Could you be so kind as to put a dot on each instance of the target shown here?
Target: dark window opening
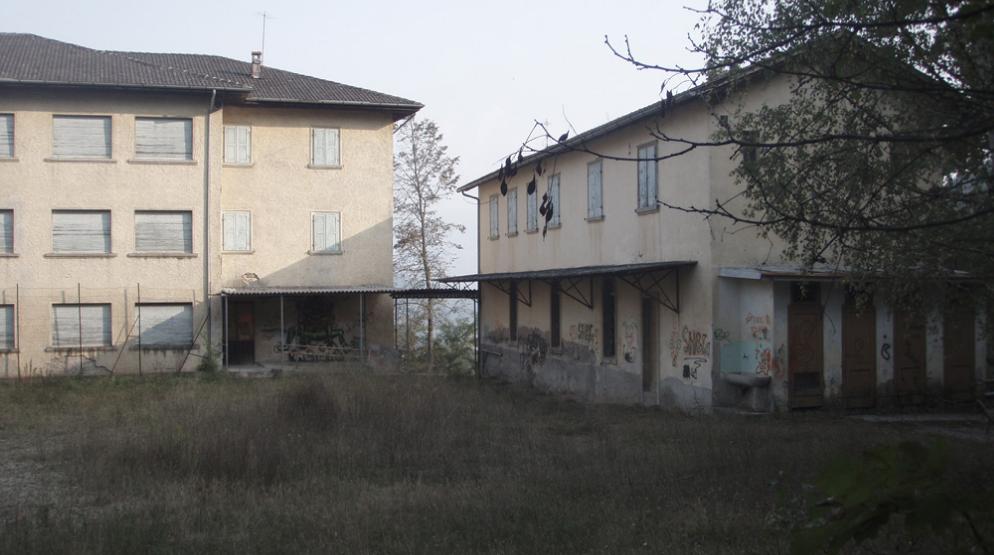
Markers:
(608, 302)
(554, 316)
(513, 310)
(805, 292)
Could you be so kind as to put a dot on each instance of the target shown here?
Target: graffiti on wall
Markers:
(582, 333)
(532, 350)
(695, 343)
(316, 336)
(629, 339)
(694, 366)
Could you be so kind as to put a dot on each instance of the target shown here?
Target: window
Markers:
(512, 311)
(237, 144)
(7, 327)
(554, 200)
(6, 232)
(165, 325)
(81, 324)
(164, 138)
(750, 152)
(237, 230)
(81, 137)
(81, 231)
(512, 212)
(595, 192)
(326, 148)
(326, 231)
(555, 315)
(608, 302)
(494, 217)
(6, 135)
(164, 231)
(648, 194)
(532, 211)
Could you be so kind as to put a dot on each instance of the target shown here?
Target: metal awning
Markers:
(264, 291)
(435, 293)
(818, 272)
(581, 271)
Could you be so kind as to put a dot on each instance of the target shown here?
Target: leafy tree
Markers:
(424, 174)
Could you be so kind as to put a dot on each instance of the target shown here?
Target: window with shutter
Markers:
(595, 191)
(166, 325)
(81, 137)
(7, 327)
(326, 148)
(81, 231)
(327, 232)
(6, 135)
(553, 192)
(237, 144)
(494, 217)
(164, 231)
(532, 211)
(87, 324)
(164, 138)
(6, 231)
(647, 187)
(512, 212)
(237, 230)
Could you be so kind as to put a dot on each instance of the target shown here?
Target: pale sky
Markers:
(485, 72)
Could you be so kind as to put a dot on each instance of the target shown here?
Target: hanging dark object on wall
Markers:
(563, 137)
(531, 186)
(538, 168)
(503, 188)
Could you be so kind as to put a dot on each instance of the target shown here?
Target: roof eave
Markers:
(122, 86)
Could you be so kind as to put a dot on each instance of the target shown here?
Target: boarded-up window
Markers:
(237, 230)
(512, 212)
(237, 144)
(164, 231)
(81, 231)
(164, 138)
(6, 231)
(647, 166)
(7, 327)
(532, 210)
(81, 137)
(325, 147)
(554, 200)
(326, 232)
(595, 190)
(87, 325)
(166, 325)
(6, 135)
(494, 217)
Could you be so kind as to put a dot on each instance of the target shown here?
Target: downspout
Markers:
(479, 293)
(207, 218)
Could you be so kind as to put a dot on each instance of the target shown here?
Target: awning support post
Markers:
(362, 327)
(282, 333)
(224, 300)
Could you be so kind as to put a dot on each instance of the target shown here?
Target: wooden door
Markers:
(649, 358)
(859, 355)
(806, 358)
(909, 356)
(241, 326)
(958, 343)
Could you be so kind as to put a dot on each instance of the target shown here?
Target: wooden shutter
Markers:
(554, 198)
(81, 137)
(595, 195)
(327, 232)
(647, 176)
(95, 320)
(512, 211)
(84, 231)
(6, 135)
(237, 144)
(164, 231)
(532, 211)
(6, 327)
(325, 147)
(237, 231)
(6, 231)
(164, 138)
(494, 221)
(166, 324)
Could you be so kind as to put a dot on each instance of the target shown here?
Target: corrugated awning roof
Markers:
(262, 291)
(582, 271)
(436, 293)
(815, 273)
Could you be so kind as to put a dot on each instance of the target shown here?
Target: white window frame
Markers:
(146, 157)
(164, 251)
(8, 317)
(73, 342)
(314, 163)
(108, 148)
(142, 330)
(110, 233)
(235, 129)
(251, 225)
(651, 198)
(512, 212)
(557, 213)
(12, 153)
(314, 249)
(4, 237)
(494, 217)
(595, 213)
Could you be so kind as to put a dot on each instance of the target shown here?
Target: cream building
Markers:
(618, 299)
(155, 205)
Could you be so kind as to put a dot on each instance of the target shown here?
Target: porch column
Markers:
(282, 333)
(362, 327)
(224, 302)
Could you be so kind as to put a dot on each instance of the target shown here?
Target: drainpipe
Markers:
(207, 217)
(478, 315)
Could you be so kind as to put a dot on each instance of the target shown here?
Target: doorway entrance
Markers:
(909, 356)
(241, 326)
(859, 353)
(958, 343)
(805, 358)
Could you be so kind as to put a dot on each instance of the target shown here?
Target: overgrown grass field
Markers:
(352, 463)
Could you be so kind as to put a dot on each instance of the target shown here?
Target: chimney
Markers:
(256, 64)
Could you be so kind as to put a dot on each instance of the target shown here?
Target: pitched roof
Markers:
(31, 59)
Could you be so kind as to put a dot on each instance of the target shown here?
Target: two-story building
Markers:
(612, 297)
(156, 206)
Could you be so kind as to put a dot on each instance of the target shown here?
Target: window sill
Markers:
(531, 231)
(554, 226)
(9, 255)
(76, 349)
(239, 252)
(643, 211)
(12, 159)
(79, 255)
(492, 238)
(82, 160)
(162, 255)
(315, 167)
(609, 361)
(154, 162)
(595, 218)
(234, 165)
(324, 253)
(170, 347)
(8, 351)
(513, 234)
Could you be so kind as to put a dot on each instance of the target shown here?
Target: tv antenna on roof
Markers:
(265, 16)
